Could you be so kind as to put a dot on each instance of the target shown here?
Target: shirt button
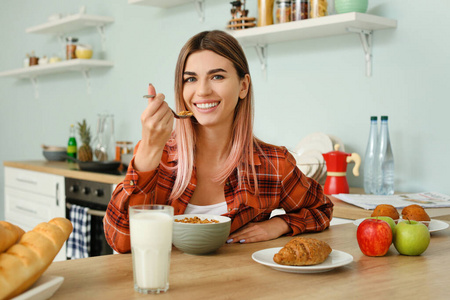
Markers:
(229, 209)
(131, 182)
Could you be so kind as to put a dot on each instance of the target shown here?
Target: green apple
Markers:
(411, 238)
(389, 220)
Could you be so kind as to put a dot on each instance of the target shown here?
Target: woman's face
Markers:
(212, 88)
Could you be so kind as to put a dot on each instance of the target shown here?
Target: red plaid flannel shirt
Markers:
(281, 185)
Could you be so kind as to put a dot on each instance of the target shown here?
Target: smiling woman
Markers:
(213, 161)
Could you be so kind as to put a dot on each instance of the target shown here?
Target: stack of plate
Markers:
(308, 154)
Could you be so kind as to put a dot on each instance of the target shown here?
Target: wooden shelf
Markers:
(348, 23)
(70, 24)
(79, 65)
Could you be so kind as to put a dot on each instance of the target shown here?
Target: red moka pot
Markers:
(337, 161)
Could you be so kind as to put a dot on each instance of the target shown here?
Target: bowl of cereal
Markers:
(200, 233)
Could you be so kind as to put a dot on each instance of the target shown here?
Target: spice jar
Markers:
(318, 8)
(283, 14)
(299, 10)
(71, 47)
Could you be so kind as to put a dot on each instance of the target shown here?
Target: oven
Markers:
(95, 196)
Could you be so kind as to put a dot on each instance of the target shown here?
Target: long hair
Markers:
(242, 141)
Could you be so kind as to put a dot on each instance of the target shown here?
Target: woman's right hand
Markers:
(157, 125)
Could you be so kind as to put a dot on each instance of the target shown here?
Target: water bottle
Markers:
(369, 158)
(72, 143)
(385, 161)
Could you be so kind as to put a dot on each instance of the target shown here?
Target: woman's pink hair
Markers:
(242, 139)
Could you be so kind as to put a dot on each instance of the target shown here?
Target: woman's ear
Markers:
(245, 85)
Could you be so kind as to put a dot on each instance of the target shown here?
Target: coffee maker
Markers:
(337, 161)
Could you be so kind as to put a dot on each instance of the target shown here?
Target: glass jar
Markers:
(71, 47)
(283, 13)
(318, 8)
(299, 10)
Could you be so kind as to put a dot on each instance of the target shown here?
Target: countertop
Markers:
(230, 273)
(66, 169)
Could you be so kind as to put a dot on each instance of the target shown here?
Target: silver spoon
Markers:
(181, 115)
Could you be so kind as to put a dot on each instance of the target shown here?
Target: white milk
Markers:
(151, 245)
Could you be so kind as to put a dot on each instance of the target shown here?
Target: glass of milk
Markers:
(151, 245)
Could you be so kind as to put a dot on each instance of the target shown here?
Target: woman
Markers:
(212, 163)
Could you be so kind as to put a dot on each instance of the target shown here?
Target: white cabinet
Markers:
(32, 198)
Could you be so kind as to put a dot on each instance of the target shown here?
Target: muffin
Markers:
(415, 212)
(386, 210)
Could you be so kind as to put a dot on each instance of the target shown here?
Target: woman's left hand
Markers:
(260, 231)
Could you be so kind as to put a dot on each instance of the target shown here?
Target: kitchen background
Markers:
(316, 85)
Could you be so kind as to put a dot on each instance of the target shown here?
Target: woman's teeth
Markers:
(207, 105)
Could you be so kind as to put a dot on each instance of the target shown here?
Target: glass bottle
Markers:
(385, 161)
(104, 144)
(369, 158)
(72, 144)
(71, 47)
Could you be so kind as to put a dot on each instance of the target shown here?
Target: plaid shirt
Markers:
(281, 185)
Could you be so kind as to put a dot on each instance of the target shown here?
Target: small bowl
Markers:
(200, 238)
(55, 153)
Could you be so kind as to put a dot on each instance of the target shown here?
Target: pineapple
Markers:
(85, 150)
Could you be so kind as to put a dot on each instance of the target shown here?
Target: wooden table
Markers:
(345, 210)
(230, 273)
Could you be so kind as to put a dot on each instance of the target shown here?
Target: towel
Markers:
(78, 244)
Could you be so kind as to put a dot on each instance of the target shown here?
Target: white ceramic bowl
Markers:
(200, 238)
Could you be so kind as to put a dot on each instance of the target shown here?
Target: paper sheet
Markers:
(426, 200)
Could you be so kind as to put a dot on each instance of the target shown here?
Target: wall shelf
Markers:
(72, 23)
(199, 5)
(75, 65)
(348, 23)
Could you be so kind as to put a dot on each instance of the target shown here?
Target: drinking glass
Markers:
(151, 246)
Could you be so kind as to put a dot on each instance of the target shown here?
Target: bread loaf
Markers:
(303, 252)
(23, 263)
(9, 235)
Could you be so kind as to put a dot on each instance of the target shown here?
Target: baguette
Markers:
(9, 235)
(23, 263)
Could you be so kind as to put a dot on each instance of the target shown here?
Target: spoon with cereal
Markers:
(184, 114)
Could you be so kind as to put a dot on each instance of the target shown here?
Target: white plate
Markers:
(42, 289)
(435, 225)
(334, 260)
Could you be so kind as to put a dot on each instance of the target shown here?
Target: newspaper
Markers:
(426, 200)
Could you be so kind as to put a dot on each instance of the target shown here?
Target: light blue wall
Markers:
(312, 85)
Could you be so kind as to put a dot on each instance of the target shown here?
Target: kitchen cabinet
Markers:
(348, 23)
(61, 27)
(32, 198)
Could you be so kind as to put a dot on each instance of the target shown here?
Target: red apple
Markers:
(374, 237)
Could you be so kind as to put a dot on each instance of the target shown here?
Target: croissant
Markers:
(302, 252)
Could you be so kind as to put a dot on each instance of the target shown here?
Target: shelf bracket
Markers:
(35, 86)
(200, 6)
(261, 51)
(366, 41)
(88, 80)
(101, 31)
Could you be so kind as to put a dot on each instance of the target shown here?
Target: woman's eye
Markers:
(218, 77)
(189, 79)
